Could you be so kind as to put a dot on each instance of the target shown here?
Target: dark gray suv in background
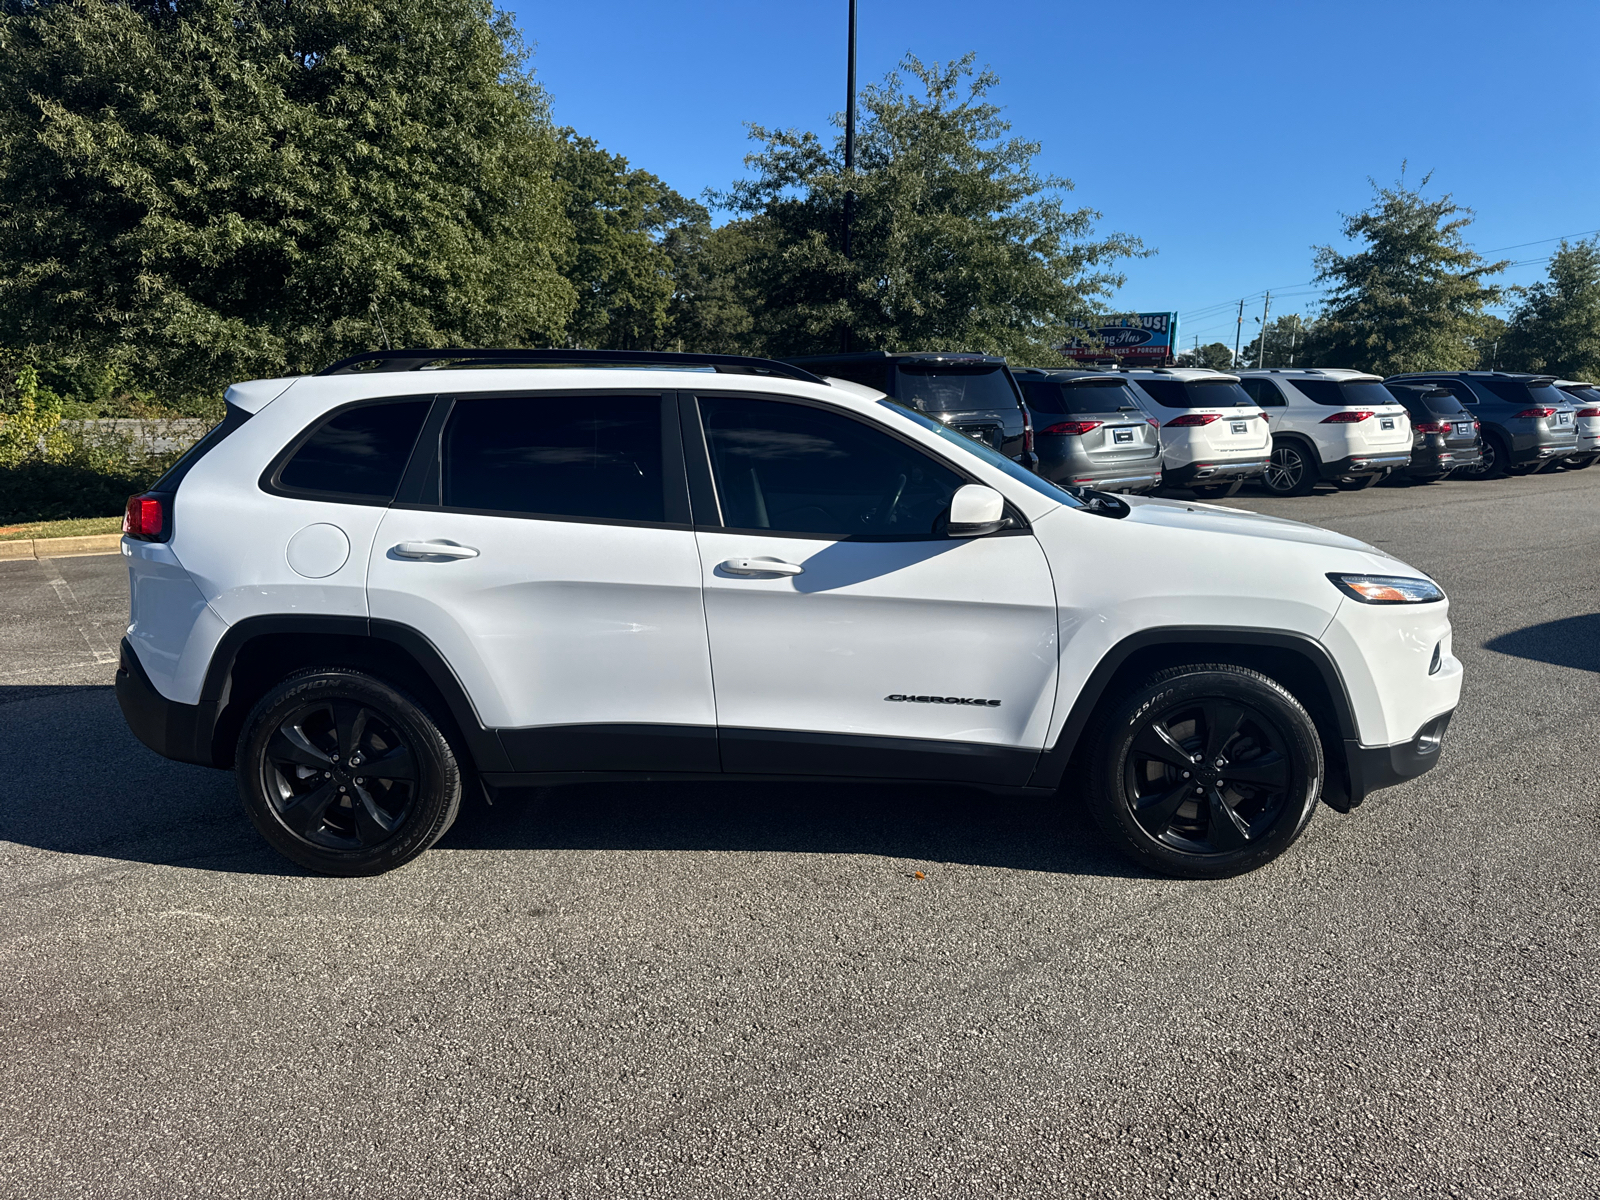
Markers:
(1528, 423)
(971, 393)
(1089, 431)
(1444, 435)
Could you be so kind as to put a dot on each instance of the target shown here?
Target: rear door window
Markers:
(791, 468)
(955, 387)
(358, 454)
(1264, 392)
(578, 457)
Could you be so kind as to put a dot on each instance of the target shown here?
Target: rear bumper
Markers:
(177, 731)
(1429, 460)
(1365, 464)
(1216, 471)
(1369, 768)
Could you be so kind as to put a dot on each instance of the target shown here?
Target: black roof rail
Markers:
(418, 360)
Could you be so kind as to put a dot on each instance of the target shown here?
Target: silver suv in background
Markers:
(1213, 436)
(1333, 425)
(1586, 420)
(1089, 431)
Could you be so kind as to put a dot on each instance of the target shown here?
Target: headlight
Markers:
(1387, 589)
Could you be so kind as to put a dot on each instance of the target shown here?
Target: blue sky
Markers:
(1229, 136)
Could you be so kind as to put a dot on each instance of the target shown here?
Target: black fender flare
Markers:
(1053, 762)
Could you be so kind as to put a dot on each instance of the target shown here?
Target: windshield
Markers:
(989, 455)
(1073, 398)
(1344, 395)
(1197, 393)
(955, 387)
(1515, 392)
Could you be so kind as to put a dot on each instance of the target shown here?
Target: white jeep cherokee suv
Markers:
(1336, 425)
(421, 571)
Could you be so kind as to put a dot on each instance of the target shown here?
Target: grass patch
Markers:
(77, 527)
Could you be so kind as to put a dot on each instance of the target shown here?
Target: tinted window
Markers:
(562, 456)
(1178, 393)
(869, 374)
(1264, 392)
(1050, 396)
(1445, 404)
(796, 469)
(1344, 395)
(1513, 392)
(359, 452)
(944, 387)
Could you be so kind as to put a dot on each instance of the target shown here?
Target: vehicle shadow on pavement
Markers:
(915, 823)
(1569, 642)
(80, 783)
(77, 782)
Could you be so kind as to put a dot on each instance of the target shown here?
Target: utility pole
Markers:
(1238, 332)
(1261, 350)
(1293, 329)
(849, 150)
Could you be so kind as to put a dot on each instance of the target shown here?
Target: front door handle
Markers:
(761, 566)
(434, 550)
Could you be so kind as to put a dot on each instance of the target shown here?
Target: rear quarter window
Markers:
(357, 454)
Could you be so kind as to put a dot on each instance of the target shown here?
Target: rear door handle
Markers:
(434, 550)
(761, 566)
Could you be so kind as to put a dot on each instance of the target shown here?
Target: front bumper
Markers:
(177, 731)
(1369, 768)
(1207, 471)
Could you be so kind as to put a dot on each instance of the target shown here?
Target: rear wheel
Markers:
(1290, 470)
(1578, 462)
(1356, 483)
(1218, 491)
(1205, 771)
(1493, 463)
(345, 775)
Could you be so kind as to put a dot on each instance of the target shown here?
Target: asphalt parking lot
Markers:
(731, 990)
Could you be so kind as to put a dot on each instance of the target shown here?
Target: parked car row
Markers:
(1137, 430)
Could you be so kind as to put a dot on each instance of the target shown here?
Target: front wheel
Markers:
(1205, 771)
(345, 775)
(1290, 470)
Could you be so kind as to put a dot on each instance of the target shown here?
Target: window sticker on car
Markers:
(1122, 435)
(1238, 426)
(1386, 423)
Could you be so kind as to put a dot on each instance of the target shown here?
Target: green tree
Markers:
(1412, 297)
(628, 231)
(1555, 330)
(956, 241)
(204, 190)
(1214, 356)
(1287, 338)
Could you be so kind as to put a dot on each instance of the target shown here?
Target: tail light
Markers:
(1189, 419)
(1589, 412)
(1431, 426)
(145, 518)
(1264, 416)
(1541, 411)
(1072, 427)
(1154, 424)
(1346, 418)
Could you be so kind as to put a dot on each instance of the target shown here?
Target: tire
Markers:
(1187, 719)
(1218, 491)
(355, 821)
(1357, 483)
(1291, 470)
(1495, 458)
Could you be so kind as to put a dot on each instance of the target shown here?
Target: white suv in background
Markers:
(426, 571)
(1336, 425)
(1213, 436)
(1586, 396)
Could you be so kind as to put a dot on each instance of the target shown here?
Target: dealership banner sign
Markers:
(1138, 337)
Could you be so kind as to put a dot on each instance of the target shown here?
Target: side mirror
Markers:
(976, 510)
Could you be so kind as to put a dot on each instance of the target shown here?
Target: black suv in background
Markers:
(1444, 435)
(973, 394)
(1528, 423)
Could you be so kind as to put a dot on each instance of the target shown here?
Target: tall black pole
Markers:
(849, 148)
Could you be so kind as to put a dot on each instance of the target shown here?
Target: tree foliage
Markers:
(1412, 296)
(206, 190)
(1555, 329)
(1213, 356)
(957, 243)
(1287, 338)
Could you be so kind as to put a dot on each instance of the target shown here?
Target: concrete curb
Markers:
(63, 547)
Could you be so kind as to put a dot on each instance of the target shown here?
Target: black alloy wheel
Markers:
(1206, 771)
(1290, 471)
(345, 775)
(1493, 463)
